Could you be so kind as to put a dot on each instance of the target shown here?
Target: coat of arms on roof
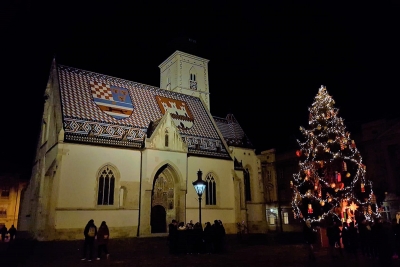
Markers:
(179, 111)
(114, 101)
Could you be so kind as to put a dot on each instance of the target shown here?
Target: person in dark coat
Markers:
(384, 240)
(3, 232)
(353, 240)
(309, 236)
(198, 238)
(364, 235)
(208, 238)
(103, 235)
(217, 237)
(182, 238)
(13, 232)
(173, 237)
(90, 233)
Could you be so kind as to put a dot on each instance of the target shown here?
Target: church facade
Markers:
(127, 153)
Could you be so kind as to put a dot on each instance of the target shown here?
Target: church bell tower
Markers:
(187, 74)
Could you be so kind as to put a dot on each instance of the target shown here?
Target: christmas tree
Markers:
(331, 178)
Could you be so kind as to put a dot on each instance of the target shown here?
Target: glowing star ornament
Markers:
(353, 206)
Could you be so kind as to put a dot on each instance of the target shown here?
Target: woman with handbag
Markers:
(103, 234)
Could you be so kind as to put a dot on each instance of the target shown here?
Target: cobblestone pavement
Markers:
(154, 251)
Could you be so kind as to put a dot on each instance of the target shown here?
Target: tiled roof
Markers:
(232, 132)
(106, 110)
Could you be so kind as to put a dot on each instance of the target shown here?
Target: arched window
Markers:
(106, 182)
(168, 82)
(166, 141)
(247, 191)
(192, 81)
(211, 190)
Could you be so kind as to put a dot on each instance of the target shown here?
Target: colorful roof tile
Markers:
(101, 109)
(232, 132)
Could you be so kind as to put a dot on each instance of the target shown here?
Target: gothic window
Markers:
(211, 190)
(269, 175)
(106, 182)
(5, 192)
(247, 192)
(166, 141)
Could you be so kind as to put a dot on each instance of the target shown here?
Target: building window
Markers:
(211, 190)
(168, 83)
(5, 192)
(271, 219)
(166, 141)
(106, 186)
(269, 176)
(192, 81)
(3, 212)
(285, 218)
(247, 185)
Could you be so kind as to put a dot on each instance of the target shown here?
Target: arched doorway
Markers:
(163, 205)
(158, 219)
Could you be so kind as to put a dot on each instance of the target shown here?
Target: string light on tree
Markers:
(331, 173)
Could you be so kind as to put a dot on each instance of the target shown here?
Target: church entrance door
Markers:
(158, 219)
(162, 200)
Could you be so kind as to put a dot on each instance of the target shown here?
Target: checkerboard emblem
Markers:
(179, 111)
(114, 101)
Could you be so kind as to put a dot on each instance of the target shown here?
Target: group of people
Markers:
(12, 233)
(378, 240)
(102, 235)
(193, 239)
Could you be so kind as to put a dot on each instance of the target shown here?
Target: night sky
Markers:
(267, 61)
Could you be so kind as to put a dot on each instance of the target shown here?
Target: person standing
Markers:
(173, 237)
(103, 234)
(3, 232)
(90, 233)
(13, 232)
(309, 237)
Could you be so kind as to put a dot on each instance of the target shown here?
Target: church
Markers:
(127, 153)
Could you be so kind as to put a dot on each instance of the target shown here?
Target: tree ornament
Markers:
(298, 153)
(338, 177)
(344, 166)
(373, 199)
(348, 175)
(310, 209)
(362, 188)
(353, 144)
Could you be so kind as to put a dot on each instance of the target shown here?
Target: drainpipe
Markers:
(140, 191)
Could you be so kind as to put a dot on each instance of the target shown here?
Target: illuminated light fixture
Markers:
(199, 185)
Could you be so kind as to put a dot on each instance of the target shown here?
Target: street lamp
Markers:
(199, 185)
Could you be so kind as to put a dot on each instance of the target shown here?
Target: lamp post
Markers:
(199, 185)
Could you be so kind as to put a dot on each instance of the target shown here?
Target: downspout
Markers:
(16, 203)
(140, 191)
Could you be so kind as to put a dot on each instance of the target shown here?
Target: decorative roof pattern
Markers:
(232, 132)
(86, 121)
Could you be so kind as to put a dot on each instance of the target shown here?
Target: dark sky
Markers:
(267, 60)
